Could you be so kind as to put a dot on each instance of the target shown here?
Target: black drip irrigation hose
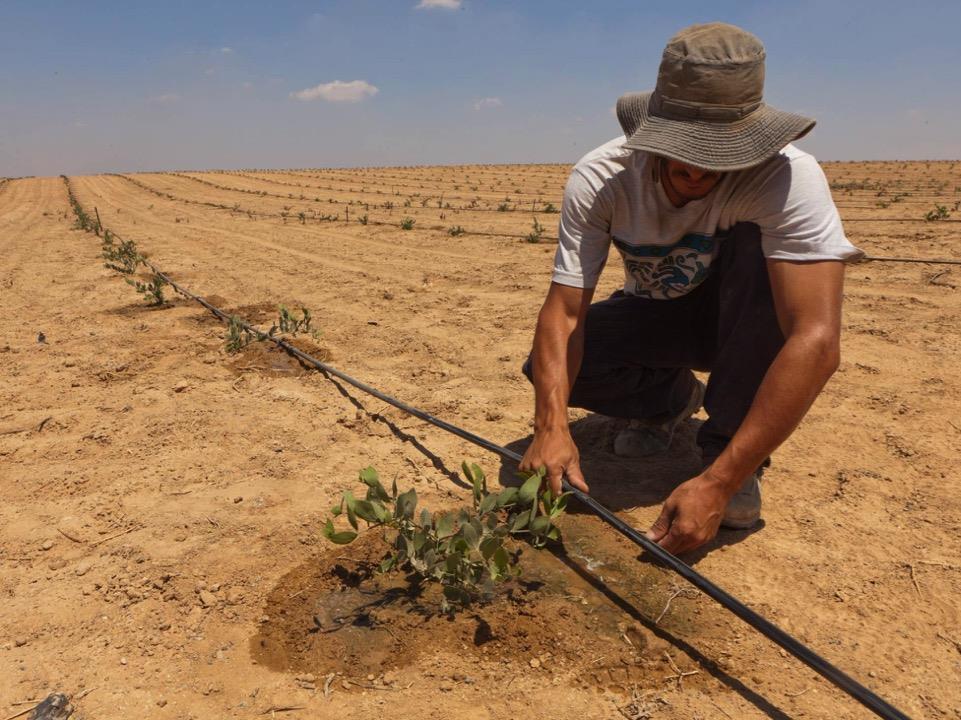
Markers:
(849, 685)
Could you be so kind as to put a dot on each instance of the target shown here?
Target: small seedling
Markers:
(407, 223)
(535, 235)
(238, 336)
(122, 258)
(152, 291)
(940, 212)
(455, 231)
(289, 324)
(549, 208)
(363, 219)
(467, 551)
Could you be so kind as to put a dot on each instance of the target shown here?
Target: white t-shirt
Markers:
(667, 251)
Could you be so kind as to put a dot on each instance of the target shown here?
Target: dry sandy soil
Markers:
(162, 500)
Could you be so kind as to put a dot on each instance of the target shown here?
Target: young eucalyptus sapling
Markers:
(466, 551)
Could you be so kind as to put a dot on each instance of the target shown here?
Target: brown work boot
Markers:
(643, 437)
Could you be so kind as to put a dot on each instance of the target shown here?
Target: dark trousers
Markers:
(639, 353)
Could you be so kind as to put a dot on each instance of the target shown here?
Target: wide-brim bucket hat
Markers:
(707, 108)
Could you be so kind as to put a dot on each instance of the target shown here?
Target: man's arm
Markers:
(807, 298)
(557, 354)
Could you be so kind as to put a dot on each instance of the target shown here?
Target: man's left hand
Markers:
(691, 514)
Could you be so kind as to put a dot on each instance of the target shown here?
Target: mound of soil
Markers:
(335, 614)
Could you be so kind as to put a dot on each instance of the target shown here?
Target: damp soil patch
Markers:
(267, 358)
(584, 608)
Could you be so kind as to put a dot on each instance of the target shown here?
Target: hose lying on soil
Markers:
(803, 653)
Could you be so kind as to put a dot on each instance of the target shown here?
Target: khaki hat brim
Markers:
(711, 145)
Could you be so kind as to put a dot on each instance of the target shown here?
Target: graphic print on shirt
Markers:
(662, 272)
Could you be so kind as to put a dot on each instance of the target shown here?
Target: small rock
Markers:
(370, 678)
(123, 661)
(161, 702)
(181, 385)
(238, 499)
(20, 641)
(57, 564)
(47, 544)
(535, 663)
(83, 567)
(234, 596)
(207, 598)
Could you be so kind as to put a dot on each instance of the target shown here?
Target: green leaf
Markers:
(420, 538)
(506, 496)
(479, 474)
(445, 525)
(387, 563)
(365, 510)
(540, 525)
(425, 518)
(554, 533)
(487, 504)
(470, 534)
(501, 561)
(528, 491)
(350, 501)
(383, 514)
(369, 477)
(519, 522)
(339, 538)
(489, 546)
(473, 479)
(406, 503)
(560, 505)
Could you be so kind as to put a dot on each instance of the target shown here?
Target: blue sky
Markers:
(92, 86)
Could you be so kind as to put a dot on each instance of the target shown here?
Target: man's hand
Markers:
(691, 514)
(555, 450)
(556, 358)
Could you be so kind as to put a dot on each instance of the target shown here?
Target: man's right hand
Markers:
(555, 450)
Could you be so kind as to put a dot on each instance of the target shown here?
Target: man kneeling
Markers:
(733, 258)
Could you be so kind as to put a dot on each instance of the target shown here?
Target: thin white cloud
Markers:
(226, 50)
(164, 99)
(446, 4)
(488, 102)
(337, 91)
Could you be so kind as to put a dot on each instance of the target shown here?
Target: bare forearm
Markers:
(558, 349)
(790, 386)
